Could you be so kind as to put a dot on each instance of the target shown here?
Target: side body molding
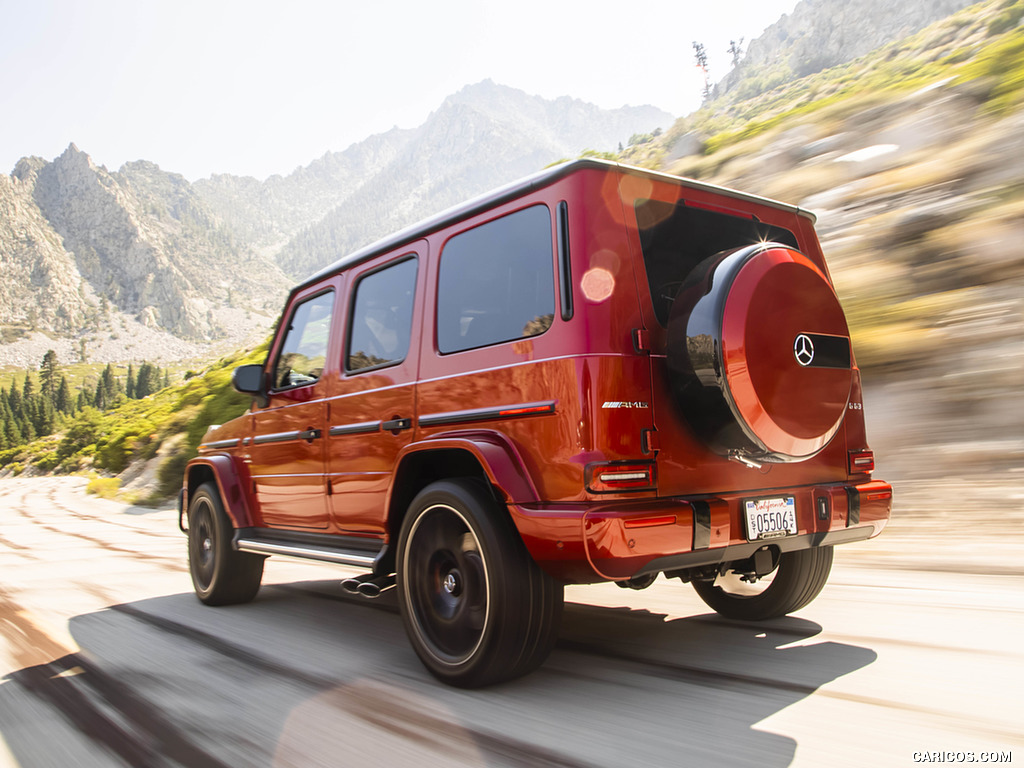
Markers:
(232, 480)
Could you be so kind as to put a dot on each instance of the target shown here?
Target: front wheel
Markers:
(220, 575)
(794, 583)
(476, 607)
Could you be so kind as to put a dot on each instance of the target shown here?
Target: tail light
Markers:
(862, 461)
(620, 476)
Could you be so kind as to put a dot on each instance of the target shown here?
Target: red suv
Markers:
(599, 373)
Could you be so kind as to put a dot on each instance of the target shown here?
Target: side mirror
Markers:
(250, 380)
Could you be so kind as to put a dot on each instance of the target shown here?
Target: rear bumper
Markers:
(615, 540)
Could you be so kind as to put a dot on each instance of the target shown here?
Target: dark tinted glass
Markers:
(496, 282)
(304, 352)
(676, 238)
(382, 319)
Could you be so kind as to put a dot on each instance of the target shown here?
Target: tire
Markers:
(220, 575)
(476, 607)
(796, 581)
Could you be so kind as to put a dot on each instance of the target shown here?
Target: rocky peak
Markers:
(824, 33)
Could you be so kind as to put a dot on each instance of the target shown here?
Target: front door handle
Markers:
(395, 425)
(309, 435)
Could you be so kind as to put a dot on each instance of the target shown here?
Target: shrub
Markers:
(104, 487)
(172, 471)
(47, 461)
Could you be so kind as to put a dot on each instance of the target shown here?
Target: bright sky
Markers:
(255, 87)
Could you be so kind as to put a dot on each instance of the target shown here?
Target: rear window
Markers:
(675, 238)
(496, 282)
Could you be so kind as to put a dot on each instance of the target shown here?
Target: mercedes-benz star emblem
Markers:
(803, 349)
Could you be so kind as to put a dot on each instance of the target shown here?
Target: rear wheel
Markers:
(794, 583)
(220, 575)
(476, 607)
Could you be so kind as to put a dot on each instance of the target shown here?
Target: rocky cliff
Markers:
(823, 33)
(482, 137)
(83, 250)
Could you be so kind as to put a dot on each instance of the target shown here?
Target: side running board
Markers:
(344, 550)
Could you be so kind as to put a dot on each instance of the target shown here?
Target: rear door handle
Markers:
(309, 435)
(394, 425)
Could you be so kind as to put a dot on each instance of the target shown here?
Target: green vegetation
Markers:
(104, 487)
(28, 410)
(171, 422)
(982, 44)
(1001, 66)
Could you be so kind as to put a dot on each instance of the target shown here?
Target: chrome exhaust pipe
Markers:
(374, 588)
(351, 585)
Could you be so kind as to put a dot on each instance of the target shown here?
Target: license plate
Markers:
(770, 518)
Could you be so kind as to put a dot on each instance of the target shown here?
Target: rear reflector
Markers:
(648, 522)
(862, 461)
(619, 476)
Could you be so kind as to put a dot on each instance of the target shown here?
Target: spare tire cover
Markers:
(759, 354)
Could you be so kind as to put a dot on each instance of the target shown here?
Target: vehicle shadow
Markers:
(308, 675)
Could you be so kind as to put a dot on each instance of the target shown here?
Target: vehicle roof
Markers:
(518, 189)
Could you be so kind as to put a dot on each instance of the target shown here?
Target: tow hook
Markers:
(746, 461)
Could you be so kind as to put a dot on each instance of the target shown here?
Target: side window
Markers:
(381, 322)
(496, 282)
(304, 351)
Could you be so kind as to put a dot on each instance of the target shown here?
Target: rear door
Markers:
(286, 451)
(373, 404)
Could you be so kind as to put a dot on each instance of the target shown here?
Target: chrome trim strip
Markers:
(362, 427)
(220, 444)
(488, 414)
(276, 437)
(304, 553)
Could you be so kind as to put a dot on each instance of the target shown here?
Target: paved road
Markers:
(107, 659)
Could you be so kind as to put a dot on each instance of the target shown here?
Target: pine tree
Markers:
(129, 385)
(13, 430)
(106, 388)
(5, 420)
(700, 54)
(48, 371)
(28, 432)
(43, 416)
(14, 400)
(62, 400)
(148, 380)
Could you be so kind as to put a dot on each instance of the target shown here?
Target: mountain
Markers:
(268, 213)
(823, 33)
(85, 252)
(139, 263)
(483, 136)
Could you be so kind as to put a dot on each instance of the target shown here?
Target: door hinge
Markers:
(641, 341)
(649, 441)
